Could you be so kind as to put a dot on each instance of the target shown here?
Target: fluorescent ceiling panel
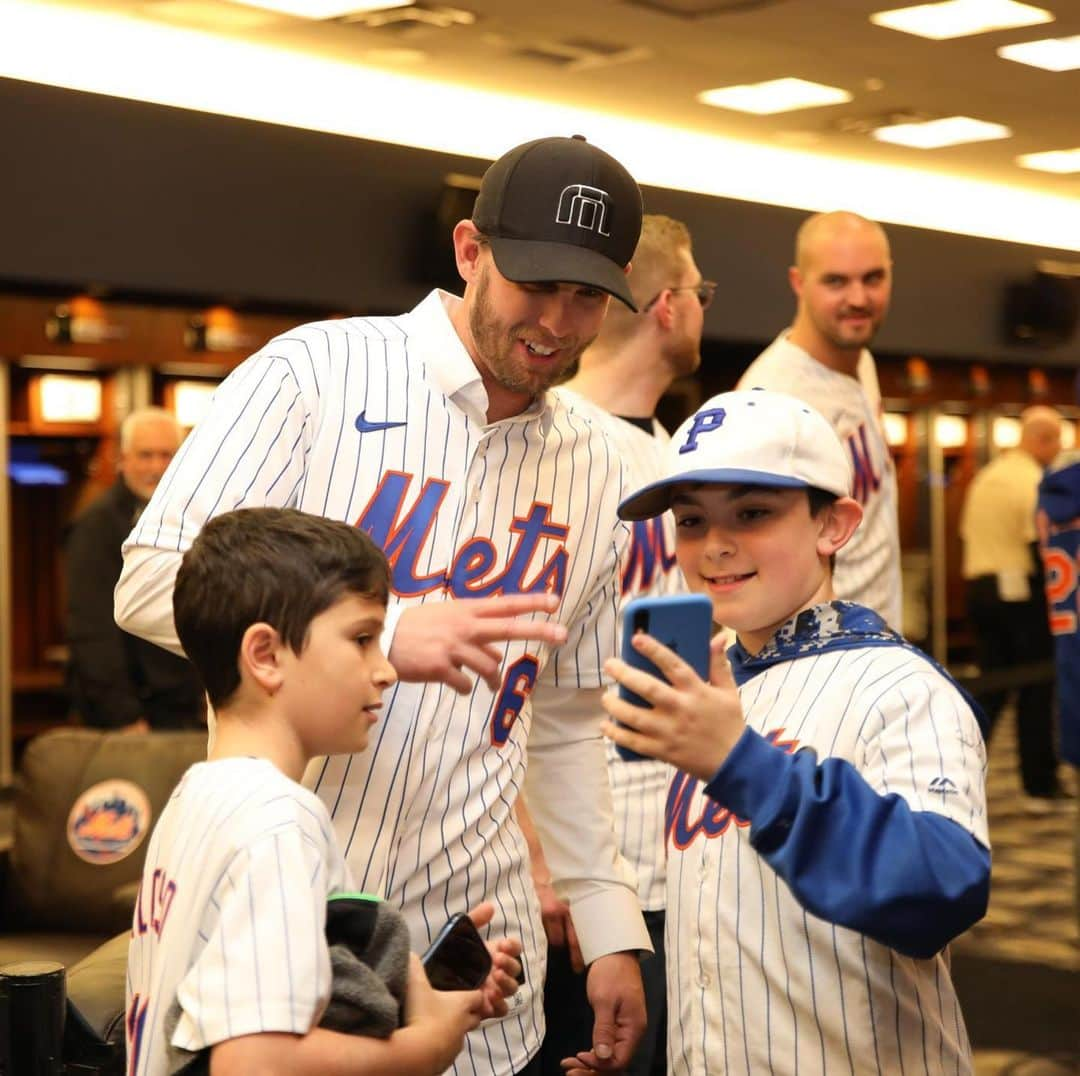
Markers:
(1005, 432)
(83, 49)
(950, 431)
(776, 95)
(1050, 53)
(934, 134)
(1062, 161)
(321, 9)
(960, 18)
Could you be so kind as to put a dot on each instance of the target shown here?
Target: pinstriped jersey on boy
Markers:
(381, 422)
(639, 788)
(755, 982)
(227, 936)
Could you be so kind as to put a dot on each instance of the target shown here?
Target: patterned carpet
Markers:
(1018, 971)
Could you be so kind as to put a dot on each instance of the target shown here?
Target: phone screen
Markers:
(458, 958)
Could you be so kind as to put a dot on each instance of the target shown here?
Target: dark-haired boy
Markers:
(281, 614)
(827, 832)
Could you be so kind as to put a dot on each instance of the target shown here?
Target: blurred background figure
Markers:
(115, 679)
(842, 281)
(1006, 602)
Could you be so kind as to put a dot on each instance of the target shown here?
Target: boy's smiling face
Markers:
(758, 552)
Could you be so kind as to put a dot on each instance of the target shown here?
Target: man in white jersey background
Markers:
(827, 831)
(433, 432)
(842, 280)
(625, 371)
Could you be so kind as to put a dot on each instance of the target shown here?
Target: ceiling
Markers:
(633, 58)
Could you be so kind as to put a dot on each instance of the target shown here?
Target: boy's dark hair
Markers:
(275, 565)
(820, 499)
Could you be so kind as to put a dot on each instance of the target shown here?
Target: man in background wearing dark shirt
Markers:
(116, 680)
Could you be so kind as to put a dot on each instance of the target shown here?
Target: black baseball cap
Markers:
(559, 209)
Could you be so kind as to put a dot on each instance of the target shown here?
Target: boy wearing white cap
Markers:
(827, 832)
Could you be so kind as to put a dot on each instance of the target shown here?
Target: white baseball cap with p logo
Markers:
(756, 437)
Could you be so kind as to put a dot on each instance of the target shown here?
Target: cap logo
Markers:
(704, 422)
(584, 206)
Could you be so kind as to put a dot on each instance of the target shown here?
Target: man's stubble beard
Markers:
(495, 347)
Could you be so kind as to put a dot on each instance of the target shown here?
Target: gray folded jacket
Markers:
(369, 957)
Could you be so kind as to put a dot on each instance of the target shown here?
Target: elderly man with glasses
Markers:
(620, 380)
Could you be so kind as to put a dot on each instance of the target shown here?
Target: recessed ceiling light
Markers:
(1051, 53)
(958, 18)
(776, 95)
(321, 9)
(933, 134)
(1062, 161)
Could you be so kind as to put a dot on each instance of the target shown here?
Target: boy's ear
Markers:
(260, 657)
(838, 523)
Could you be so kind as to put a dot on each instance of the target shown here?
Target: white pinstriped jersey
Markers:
(227, 937)
(639, 789)
(755, 982)
(381, 422)
(868, 567)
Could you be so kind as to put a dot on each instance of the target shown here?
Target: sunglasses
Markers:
(704, 290)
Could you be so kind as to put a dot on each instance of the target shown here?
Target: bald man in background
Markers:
(116, 680)
(1006, 600)
(842, 280)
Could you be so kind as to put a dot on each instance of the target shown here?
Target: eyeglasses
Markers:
(704, 289)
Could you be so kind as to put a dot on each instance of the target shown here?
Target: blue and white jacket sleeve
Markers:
(911, 875)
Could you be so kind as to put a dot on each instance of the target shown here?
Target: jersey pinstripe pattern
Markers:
(868, 567)
(227, 937)
(379, 422)
(758, 984)
(639, 789)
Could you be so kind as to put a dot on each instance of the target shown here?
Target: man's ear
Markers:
(838, 523)
(795, 279)
(466, 250)
(260, 658)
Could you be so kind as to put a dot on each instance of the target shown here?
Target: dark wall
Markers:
(98, 190)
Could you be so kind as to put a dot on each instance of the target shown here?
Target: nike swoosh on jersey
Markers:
(364, 426)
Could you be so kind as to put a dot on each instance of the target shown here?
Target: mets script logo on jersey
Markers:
(681, 829)
(647, 557)
(108, 822)
(402, 535)
(867, 479)
(585, 206)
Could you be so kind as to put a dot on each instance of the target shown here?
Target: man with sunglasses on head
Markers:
(842, 280)
(619, 382)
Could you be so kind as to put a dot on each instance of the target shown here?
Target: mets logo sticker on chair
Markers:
(108, 821)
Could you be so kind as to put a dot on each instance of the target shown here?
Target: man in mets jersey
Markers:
(630, 365)
(433, 432)
(827, 831)
(842, 279)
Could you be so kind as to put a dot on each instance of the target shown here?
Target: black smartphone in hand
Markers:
(457, 959)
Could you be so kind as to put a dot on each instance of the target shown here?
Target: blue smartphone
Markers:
(683, 623)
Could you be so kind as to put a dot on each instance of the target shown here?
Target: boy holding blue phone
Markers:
(827, 831)
(229, 967)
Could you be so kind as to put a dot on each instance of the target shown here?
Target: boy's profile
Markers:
(827, 833)
(281, 614)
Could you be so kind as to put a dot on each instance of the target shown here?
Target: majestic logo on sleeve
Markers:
(403, 534)
(584, 206)
(682, 828)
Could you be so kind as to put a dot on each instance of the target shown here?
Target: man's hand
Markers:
(435, 642)
(618, 1002)
(558, 926)
(137, 727)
